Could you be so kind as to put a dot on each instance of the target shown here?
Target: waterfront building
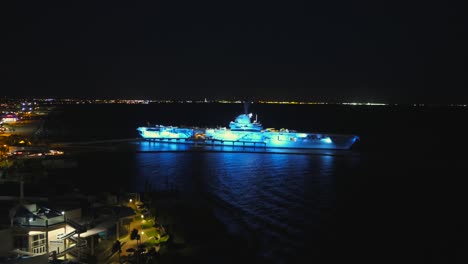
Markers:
(8, 118)
(37, 230)
(61, 231)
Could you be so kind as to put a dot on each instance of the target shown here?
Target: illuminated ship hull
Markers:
(243, 133)
(278, 139)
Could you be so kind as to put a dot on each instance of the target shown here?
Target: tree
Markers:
(117, 247)
(134, 234)
(3, 150)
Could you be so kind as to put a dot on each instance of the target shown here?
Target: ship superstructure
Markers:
(243, 132)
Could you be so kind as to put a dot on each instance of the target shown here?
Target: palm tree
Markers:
(134, 234)
(3, 150)
(117, 247)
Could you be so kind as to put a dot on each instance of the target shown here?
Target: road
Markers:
(127, 243)
(26, 128)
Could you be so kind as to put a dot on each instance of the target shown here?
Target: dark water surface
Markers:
(399, 196)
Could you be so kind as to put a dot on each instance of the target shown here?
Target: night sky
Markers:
(379, 51)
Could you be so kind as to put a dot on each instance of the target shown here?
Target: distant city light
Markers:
(21, 105)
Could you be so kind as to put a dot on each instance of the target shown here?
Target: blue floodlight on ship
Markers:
(243, 132)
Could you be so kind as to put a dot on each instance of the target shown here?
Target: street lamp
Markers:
(64, 229)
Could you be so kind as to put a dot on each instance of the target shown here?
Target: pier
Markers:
(91, 142)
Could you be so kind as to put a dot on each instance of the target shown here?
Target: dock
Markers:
(92, 142)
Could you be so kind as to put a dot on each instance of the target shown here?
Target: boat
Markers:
(243, 132)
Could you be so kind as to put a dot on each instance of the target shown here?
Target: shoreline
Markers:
(198, 235)
(205, 237)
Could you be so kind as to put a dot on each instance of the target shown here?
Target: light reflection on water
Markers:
(149, 146)
(276, 198)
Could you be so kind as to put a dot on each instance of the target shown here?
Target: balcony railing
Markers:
(38, 222)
